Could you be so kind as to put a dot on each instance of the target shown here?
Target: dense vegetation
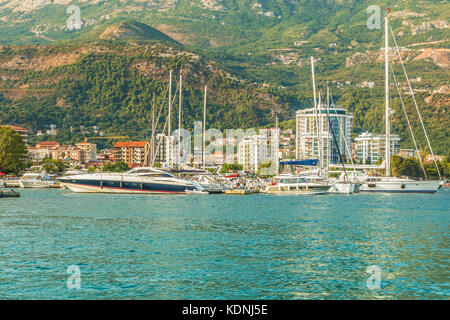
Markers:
(107, 88)
(411, 167)
(13, 152)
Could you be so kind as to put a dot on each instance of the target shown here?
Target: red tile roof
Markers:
(48, 143)
(130, 144)
(15, 128)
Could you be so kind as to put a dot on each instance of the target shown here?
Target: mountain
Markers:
(111, 84)
(133, 30)
(262, 46)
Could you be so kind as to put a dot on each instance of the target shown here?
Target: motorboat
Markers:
(33, 180)
(142, 180)
(297, 185)
(212, 185)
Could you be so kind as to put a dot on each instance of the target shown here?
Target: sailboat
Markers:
(344, 185)
(388, 183)
(314, 181)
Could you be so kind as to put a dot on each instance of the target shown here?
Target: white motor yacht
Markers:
(297, 185)
(143, 180)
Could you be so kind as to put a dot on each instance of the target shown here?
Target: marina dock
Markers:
(241, 192)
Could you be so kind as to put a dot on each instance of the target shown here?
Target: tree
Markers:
(13, 151)
(230, 166)
(53, 166)
(116, 167)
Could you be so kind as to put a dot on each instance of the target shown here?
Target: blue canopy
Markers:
(309, 162)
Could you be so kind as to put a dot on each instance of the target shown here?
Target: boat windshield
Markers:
(150, 172)
(292, 180)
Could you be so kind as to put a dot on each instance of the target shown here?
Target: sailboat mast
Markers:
(328, 130)
(169, 132)
(388, 127)
(314, 96)
(179, 117)
(152, 152)
(204, 129)
(319, 129)
(277, 140)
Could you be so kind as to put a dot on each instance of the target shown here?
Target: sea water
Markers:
(56, 244)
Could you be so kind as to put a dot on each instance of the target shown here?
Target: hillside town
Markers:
(250, 151)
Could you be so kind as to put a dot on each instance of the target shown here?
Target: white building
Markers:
(164, 149)
(307, 138)
(90, 150)
(262, 148)
(370, 148)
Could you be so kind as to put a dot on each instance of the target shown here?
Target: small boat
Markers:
(197, 192)
(11, 182)
(210, 184)
(345, 184)
(344, 187)
(9, 194)
(297, 185)
(33, 180)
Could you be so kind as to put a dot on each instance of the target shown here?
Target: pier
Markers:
(242, 191)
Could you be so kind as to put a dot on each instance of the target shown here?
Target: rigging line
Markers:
(358, 66)
(174, 99)
(155, 124)
(159, 143)
(164, 128)
(162, 106)
(409, 124)
(337, 145)
(340, 129)
(415, 104)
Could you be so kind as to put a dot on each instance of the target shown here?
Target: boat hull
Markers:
(289, 190)
(131, 187)
(32, 184)
(345, 188)
(401, 187)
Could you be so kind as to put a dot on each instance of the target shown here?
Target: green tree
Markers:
(116, 167)
(227, 167)
(53, 166)
(13, 151)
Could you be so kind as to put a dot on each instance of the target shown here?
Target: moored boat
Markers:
(296, 185)
(33, 180)
(145, 180)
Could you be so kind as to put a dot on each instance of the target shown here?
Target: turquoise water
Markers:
(224, 247)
